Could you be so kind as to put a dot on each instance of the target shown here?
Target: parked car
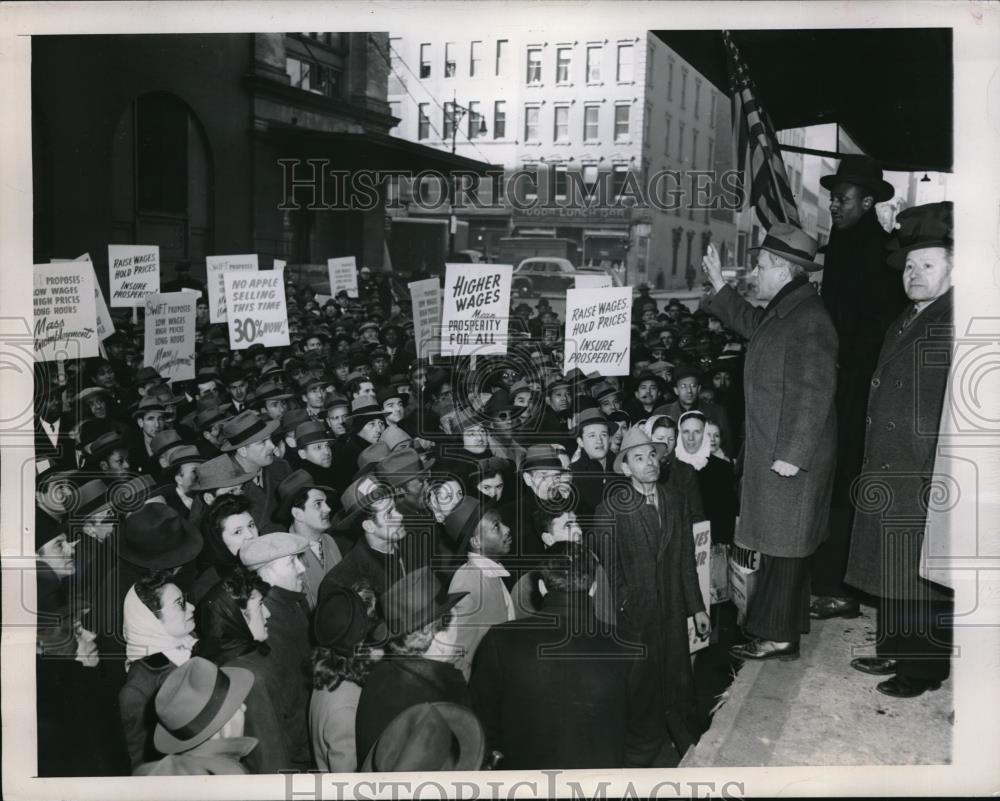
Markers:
(537, 275)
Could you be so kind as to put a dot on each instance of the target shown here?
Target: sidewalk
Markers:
(818, 710)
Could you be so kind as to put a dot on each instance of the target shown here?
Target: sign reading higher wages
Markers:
(256, 309)
(476, 309)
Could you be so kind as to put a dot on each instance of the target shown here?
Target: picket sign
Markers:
(598, 332)
(425, 297)
(476, 310)
(133, 273)
(256, 309)
(343, 275)
(169, 340)
(702, 533)
(215, 268)
(65, 325)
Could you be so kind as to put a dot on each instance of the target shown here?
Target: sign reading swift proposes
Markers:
(476, 309)
(65, 317)
(257, 311)
(134, 272)
(215, 267)
(592, 280)
(343, 275)
(426, 298)
(169, 347)
(598, 330)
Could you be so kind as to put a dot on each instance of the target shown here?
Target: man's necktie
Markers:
(317, 549)
(258, 479)
(910, 316)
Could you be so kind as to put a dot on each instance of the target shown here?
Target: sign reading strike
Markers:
(426, 298)
(215, 267)
(343, 275)
(257, 311)
(169, 338)
(598, 330)
(476, 309)
(592, 281)
(134, 272)
(65, 316)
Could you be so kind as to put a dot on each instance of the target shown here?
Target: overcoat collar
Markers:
(789, 302)
(937, 312)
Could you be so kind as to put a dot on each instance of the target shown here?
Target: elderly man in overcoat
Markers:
(791, 432)
(905, 399)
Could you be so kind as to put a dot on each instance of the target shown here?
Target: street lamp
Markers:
(457, 115)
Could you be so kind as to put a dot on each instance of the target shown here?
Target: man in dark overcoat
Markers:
(863, 295)
(791, 431)
(907, 391)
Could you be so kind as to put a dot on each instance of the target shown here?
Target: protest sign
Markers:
(702, 533)
(65, 317)
(476, 309)
(592, 280)
(256, 309)
(215, 267)
(169, 341)
(426, 298)
(598, 330)
(279, 265)
(105, 325)
(133, 273)
(343, 275)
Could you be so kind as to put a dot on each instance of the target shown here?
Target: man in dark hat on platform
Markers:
(863, 295)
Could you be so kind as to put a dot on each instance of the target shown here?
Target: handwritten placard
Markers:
(476, 309)
(65, 315)
(426, 298)
(592, 281)
(169, 341)
(343, 275)
(133, 273)
(105, 324)
(702, 533)
(215, 266)
(598, 330)
(257, 310)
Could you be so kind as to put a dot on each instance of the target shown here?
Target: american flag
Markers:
(758, 155)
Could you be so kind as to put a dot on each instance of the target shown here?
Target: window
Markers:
(534, 65)
(475, 56)
(425, 61)
(529, 180)
(621, 122)
(670, 80)
(531, 124)
(500, 119)
(618, 180)
(711, 113)
(563, 58)
(684, 86)
(560, 187)
(666, 137)
(697, 96)
(560, 127)
(694, 148)
(501, 67)
(449, 59)
(680, 140)
(320, 79)
(624, 63)
(161, 154)
(711, 154)
(475, 120)
(591, 123)
(448, 120)
(589, 173)
(423, 122)
(594, 63)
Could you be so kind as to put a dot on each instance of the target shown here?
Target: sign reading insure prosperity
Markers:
(476, 309)
(426, 298)
(257, 311)
(598, 330)
(215, 266)
(65, 314)
(133, 272)
(343, 275)
(169, 347)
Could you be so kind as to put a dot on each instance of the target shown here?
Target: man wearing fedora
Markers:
(247, 441)
(543, 484)
(863, 295)
(181, 473)
(906, 395)
(314, 447)
(791, 430)
(591, 470)
(148, 416)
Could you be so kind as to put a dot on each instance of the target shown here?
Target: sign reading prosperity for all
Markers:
(215, 267)
(476, 309)
(65, 314)
(133, 273)
(256, 309)
(598, 330)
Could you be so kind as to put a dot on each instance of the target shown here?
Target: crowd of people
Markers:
(339, 556)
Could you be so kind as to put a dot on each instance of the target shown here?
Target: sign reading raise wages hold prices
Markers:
(134, 272)
(257, 311)
(215, 267)
(476, 309)
(169, 347)
(598, 330)
(65, 316)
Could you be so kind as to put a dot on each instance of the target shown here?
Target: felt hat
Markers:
(461, 521)
(244, 429)
(589, 417)
(127, 496)
(371, 456)
(146, 375)
(164, 441)
(924, 226)
(400, 466)
(336, 399)
(208, 417)
(541, 457)
(269, 390)
(791, 243)
(184, 454)
(364, 409)
(636, 437)
(310, 432)
(341, 620)
(195, 701)
(105, 444)
(861, 171)
(219, 473)
(388, 393)
(262, 550)
(394, 437)
(292, 485)
(359, 496)
(416, 600)
(292, 419)
(146, 406)
(156, 538)
(603, 390)
(429, 737)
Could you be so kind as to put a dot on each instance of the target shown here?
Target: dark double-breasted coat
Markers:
(790, 383)
(890, 496)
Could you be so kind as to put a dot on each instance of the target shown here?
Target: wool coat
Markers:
(485, 605)
(905, 399)
(790, 382)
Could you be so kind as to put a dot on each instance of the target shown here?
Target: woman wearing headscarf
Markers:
(675, 473)
(716, 481)
(159, 637)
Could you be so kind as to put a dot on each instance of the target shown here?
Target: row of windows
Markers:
(321, 79)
